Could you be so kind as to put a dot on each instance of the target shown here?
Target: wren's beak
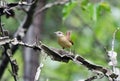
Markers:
(55, 32)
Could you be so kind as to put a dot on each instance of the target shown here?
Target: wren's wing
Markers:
(68, 33)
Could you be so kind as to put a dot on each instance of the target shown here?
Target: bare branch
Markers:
(38, 72)
(13, 62)
(7, 8)
(112, 54)
(65, 56)
(113, 58)
(61, 55)
(91, 78)
(49, 5)
(113, 40)
(4, 41)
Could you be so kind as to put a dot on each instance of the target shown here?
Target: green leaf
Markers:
(105, 6)
(83, 4)
(68, 8)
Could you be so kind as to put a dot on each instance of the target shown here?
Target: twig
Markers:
(1, 29)
(113, 58)
(38, 72)
(49, 5)
(22, 4)
(113, 40)
(91, 78)
(13, 62)
(7, 53)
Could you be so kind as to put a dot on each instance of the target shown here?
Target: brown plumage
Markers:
(68, 33)
(64, 40)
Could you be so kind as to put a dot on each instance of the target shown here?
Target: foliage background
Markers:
(92, 23)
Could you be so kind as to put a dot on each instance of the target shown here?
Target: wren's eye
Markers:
(59, 33)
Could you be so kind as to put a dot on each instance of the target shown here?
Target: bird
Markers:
(64, 40)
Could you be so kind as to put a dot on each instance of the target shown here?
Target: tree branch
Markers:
(112, 55)
(49, 5)
(7, 52)
(65, 56)
(12, 61)
(91, 78)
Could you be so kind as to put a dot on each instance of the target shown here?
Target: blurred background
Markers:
(92, 23)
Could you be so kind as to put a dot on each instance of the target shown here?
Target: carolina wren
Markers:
(64, 40)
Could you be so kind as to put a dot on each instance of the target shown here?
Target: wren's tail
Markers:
(68, 34)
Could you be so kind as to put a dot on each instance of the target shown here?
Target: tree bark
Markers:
(31, 57)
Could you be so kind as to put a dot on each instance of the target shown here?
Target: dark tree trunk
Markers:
(31, 57)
